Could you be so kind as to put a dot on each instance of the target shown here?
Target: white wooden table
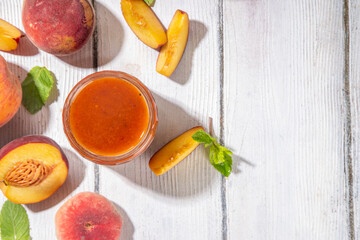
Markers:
(281, 81)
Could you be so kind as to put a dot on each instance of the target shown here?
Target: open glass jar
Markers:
(108, 111)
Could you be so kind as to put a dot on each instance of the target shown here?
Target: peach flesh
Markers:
(88, 216)
(59, 27)
(144, 23)
(9, 36)
(10, 93)
(34, 148)
(174, 152)
(172, 52)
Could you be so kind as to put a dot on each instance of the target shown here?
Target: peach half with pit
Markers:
(9, 36)
(88, 216)
(32, 168)
(59, 27)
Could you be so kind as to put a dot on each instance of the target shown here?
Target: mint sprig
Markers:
(220, 157)
(36, 89)
(14, 222)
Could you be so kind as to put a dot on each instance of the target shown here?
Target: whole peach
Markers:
(10, 93)
(59, 27)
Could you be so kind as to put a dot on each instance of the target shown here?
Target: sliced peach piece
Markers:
(144, 23)
(32, 168)
(9, 36)
(174, 152)
(172, 52)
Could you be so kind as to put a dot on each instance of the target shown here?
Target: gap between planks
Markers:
(348, 163)
(222, 134)
(95, 67)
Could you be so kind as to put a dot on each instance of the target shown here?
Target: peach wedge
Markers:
(174, 152)
(9, 36)
(32, 168)
(144, 23)
(172, 52)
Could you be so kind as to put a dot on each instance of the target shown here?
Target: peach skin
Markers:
(10, 93)
(59, 27)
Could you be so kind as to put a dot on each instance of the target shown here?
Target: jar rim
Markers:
(146, 139)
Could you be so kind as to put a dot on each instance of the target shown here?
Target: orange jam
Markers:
(109, 116)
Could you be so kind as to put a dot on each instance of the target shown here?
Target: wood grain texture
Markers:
(284, 98)
(48, 121)
(284, 119)
(184, 203)
(354, 86)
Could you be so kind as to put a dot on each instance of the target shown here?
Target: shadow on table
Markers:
(197, 32)
(238, 161)
(190, 177)
(75, 177)
(127, 230)
(109, 33)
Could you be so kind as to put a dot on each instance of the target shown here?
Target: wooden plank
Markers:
(184, 203)
(283, 114)
(49, 120)
(353, 91)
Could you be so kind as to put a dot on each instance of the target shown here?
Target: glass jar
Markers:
(146, 138)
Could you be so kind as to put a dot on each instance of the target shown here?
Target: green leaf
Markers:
(150, 2)
(14, 222)
(36, 89)
(220, 158)
(203, 137)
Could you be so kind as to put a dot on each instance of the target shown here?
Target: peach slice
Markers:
(143, 22)
(9, 36)
(174, 152)
(172, 52)
(59, 27)
(32, 168)
(88, 216)
(10, 93)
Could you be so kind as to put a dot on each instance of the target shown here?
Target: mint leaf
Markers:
(36, 89)
(14, 222)
(202, 137)
(150, 3)
(219, 156)
(221, 159)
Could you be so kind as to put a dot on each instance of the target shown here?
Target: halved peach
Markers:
(144, 23)
(174, 152)
(9, 36)
(172, 52)
(32, 168)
